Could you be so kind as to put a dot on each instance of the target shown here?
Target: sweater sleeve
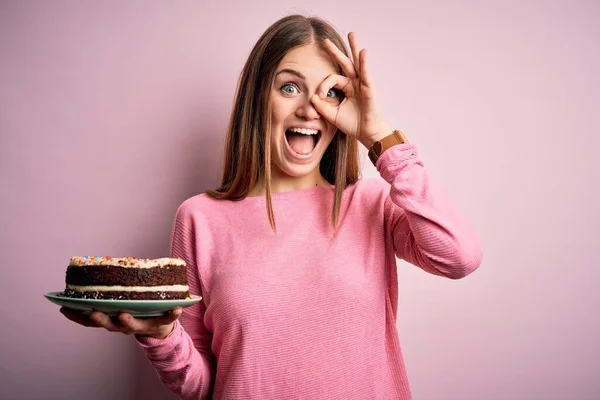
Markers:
(183, 360)
(428, 231)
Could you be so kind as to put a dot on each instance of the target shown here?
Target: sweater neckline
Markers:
(292, 194)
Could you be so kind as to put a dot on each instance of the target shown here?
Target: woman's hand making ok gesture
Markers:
(357, 115)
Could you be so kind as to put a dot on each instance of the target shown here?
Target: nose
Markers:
(307, 111)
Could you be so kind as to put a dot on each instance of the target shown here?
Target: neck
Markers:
(281, 182)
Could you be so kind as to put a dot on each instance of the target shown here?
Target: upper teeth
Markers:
(305, 131)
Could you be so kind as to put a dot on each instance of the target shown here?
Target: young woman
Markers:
(294, 255)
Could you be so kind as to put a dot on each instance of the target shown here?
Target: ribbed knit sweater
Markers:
(302, 313)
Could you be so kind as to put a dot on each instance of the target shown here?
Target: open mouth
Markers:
(302, 141)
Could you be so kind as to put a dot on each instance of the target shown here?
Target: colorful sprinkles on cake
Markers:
(78, 261)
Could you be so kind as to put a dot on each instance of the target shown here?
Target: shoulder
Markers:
(196, 203)
(195, 208)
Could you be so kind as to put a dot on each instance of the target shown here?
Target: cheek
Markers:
(280, 111)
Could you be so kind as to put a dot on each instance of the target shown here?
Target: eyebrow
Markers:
(292, 72)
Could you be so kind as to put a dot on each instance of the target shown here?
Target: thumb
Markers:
(328, 111)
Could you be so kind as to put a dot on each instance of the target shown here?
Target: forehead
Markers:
(311, 60)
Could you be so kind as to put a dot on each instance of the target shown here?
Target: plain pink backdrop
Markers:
(113, 113)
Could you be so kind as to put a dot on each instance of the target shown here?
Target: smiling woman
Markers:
(287, 66)
(299, 135)
(303, 137)
(302, 306)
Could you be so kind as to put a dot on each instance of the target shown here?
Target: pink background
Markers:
(112, 113)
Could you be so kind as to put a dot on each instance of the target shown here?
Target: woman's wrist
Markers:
(160, 334)
(382, 132)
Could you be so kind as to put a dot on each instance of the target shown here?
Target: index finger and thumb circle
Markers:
(324, 107)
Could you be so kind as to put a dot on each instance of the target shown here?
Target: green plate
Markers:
(137, 308)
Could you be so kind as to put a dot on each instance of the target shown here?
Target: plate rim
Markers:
(53, 294)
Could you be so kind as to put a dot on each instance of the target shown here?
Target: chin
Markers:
(295, 170)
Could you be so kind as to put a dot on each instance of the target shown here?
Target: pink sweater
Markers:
(299, 314)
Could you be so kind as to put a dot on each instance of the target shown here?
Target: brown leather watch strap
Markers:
(382, 145)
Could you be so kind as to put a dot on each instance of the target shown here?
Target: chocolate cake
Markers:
(126, 278)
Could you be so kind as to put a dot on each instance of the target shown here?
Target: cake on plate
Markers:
(126, 278)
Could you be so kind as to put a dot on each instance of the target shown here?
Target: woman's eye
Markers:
(335, 94)
(289, 88)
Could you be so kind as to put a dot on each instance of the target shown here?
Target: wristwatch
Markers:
(382, 145)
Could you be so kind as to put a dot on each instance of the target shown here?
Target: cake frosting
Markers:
(79, 261)
(126, 278)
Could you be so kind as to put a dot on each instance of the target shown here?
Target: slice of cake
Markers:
(126, 278)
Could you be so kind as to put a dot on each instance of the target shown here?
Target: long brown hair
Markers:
(247, 158)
